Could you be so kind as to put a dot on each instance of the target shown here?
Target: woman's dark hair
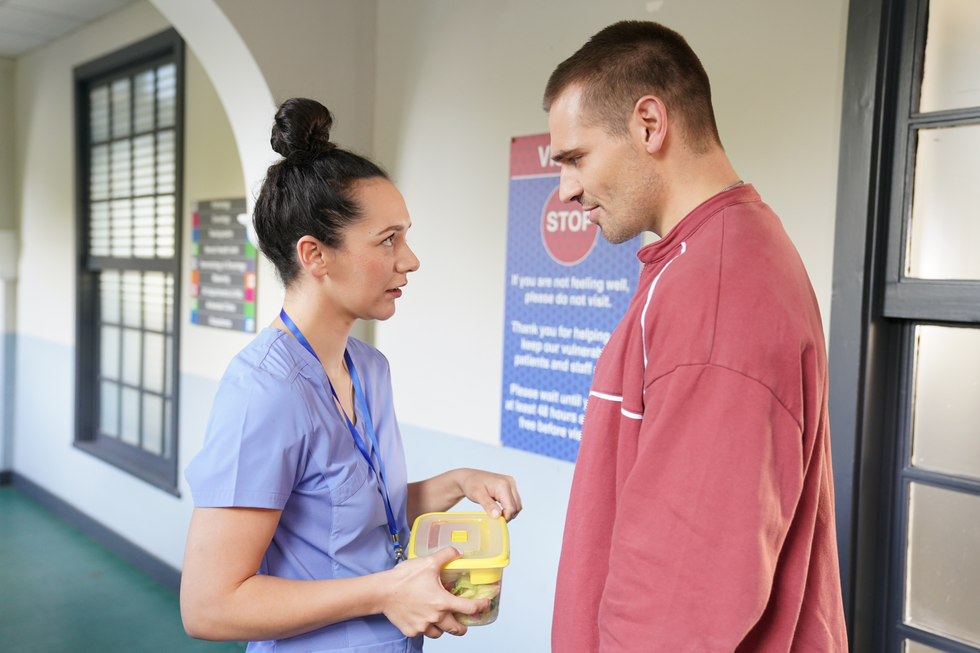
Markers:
(311, 191)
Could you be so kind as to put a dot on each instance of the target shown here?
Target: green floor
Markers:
(61, 592)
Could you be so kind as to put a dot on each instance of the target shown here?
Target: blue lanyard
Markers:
(368, 426)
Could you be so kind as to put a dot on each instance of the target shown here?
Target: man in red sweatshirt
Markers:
(701, 516)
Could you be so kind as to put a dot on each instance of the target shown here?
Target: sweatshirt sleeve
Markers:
(702, 515)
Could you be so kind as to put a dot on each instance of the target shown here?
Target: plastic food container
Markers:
(486, 551)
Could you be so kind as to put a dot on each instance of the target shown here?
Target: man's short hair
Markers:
(630, 59)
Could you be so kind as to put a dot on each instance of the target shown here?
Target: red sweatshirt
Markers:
(701, 515)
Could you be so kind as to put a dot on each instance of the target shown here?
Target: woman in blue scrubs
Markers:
(301, 494)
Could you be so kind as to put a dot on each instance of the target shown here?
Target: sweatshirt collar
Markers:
(692, 221)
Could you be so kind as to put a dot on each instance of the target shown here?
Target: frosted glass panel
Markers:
(943, 563)
(132, 353)
(166, 95)
(130, 431)
(166, 166)
(144, 153)
(99, 173)
(170, 302)
(100, 230)
(132, 293)
(165, 227)
(121, 178)
(109, 409)
(944, 234)
(154, 357)
(143, 103)
(99, 113)
(946, 405)
(110, 287)
(143, 227)
(121, 115)
(154, 298)
(949, 76)
(121, 221)
(915, 647)
(153, 424)
(109, 352)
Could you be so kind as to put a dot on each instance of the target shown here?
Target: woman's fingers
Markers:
(443, 557)
(514, 505)
(496, 493)
(433, 632)
(451, 626)
(469, 606)
(419, 603)
(504, 492)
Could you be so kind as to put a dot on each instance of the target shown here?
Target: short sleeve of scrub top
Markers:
(277, 440)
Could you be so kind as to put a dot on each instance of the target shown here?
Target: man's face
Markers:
(609, 175)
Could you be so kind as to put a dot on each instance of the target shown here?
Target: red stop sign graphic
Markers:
(567, 234)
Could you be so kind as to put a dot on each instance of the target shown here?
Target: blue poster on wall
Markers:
(566, 290)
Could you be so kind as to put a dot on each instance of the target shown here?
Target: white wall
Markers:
(456, 80)
(321, 49)
(211, 171)
(8, 251)
(8, 218)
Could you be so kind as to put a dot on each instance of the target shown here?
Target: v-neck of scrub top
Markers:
(321, 375)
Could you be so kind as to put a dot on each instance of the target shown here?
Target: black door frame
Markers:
(863, 343)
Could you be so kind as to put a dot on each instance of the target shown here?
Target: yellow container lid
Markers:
(482, 539)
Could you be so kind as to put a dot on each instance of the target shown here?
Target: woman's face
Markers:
(369, 270)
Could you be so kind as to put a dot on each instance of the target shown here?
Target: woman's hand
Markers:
(492, 491)
(496, 493)
(417, 603)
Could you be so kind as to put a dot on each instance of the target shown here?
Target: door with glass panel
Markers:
(932, 293)
(129, 121)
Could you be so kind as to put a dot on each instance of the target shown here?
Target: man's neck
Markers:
(693, 181)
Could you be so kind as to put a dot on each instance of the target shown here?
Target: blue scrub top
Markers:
(276, 439)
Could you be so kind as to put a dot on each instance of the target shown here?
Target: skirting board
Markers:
(146, 562)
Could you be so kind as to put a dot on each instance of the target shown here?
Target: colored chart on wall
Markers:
(223, 272)
(566, 290)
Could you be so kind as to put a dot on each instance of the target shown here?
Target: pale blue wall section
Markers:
(8, 382)
(535, 536)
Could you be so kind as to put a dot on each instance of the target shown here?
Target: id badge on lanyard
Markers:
(379, 471)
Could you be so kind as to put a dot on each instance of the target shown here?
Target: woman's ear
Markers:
(314, 256)
(649, 122)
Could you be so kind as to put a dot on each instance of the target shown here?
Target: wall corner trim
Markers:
(144, 561)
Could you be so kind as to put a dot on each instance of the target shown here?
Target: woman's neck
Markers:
(324, 329)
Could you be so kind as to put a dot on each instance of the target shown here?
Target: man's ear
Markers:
(649, 122)
(314, 256)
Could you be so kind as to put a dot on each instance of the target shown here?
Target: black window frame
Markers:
(906, 297)
(160, 471)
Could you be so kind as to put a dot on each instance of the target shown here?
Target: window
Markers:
(932, 295)
(129, 114)
(905, 342)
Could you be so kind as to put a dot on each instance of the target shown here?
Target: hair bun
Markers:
(302, 130)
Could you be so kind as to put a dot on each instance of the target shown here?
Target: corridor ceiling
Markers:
(28, 24)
